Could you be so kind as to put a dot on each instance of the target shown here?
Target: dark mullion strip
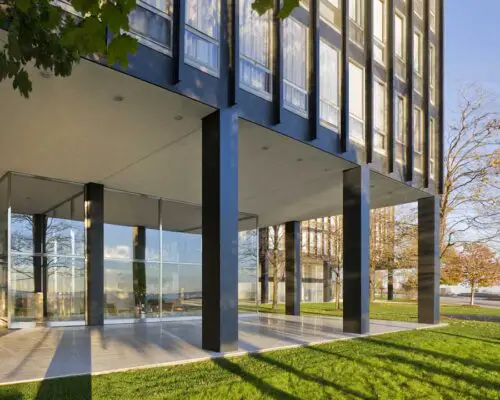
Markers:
(425, 96)
(440, 131)
(368, 8)
(178, 37)
(409, 80)
(314, 83)
(390, 84)
(344, 79)
(278, 64)
(234, 58)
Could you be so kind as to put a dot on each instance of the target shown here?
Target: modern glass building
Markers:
(137, 195)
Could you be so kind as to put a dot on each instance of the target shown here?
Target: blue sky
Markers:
(472, 47)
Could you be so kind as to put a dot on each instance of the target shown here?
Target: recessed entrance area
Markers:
(152, 256)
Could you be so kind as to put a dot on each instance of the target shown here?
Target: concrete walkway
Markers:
(34, 354)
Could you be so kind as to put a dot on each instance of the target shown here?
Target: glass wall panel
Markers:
(248, 264)
(4, 252)
(356, 102)
(131, 256)
(47, 250)
(329, 84)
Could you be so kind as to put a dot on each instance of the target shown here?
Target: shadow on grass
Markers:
(473, 317)
(447, 357)
(302, 375)
(258, 383)
(78, 387)
(395, 371)
(488, 341)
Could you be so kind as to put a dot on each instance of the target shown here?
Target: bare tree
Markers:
(276, 259)
(333, 253)
(470, 204)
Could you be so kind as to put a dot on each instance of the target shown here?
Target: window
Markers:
(432, 147)
(356, 11)
(202, 34)
(399, 39)
(399, 47)
(417, 53)
(379, 117)
(329, 84)
(295, 65)
(418, 6)
(255, 50)
(432, 15)
(150, 23)
(400, 129)
(356, 102)
(356, 22)
(417, 138)
(379, 31)
(432, 72)
(329, 11)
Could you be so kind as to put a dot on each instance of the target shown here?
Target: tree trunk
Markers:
(372, 286)
(337, 294)
(472, 295)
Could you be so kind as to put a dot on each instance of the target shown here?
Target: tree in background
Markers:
(276, 259)
(51, 39)
(475, 265)
(470, 203)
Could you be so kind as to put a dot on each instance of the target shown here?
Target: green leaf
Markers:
(119, 49)
(22, 83)
(23, 5)
(288, 7)
(261, 6)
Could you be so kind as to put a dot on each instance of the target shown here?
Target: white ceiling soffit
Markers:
(103, 126)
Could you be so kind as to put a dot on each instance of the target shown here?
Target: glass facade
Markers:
(329, 84)
(152, 255)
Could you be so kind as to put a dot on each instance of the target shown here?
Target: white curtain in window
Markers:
(400, 120)
(203, 15)
(417, 130)
(254, 34)
(379, 98)
(399, 35)
(417, 52)
(295, 63)
(378, 19)
(329, 79)
(356, 94)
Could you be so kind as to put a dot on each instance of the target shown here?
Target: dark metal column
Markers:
(39, 267)
(220, 230)
(440, 96)
(390, 284)
(390, 85)
(344, 79)
(94, 250)
(277, 63)
(327, 282)
(356, 212)
(234, 59)
(314, 83)
(428, 260)
(293, 276)
(409, 83)
(426, 94)
(264, 264)
(368, 49)
(139, 266)
(178, 32)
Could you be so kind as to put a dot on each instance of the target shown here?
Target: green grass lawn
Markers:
(389, 311)
(459, 361)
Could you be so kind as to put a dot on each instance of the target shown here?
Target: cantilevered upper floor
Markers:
(361, 79)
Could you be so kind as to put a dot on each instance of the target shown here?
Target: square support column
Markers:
(94, 251)
(293, 276)
(390, 284)
(139, 268)
(356, 226)
(39, 268)
(220, 231)
(264, 264)
(428, 260)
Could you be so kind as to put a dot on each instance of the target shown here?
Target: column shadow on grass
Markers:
(394, 371)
